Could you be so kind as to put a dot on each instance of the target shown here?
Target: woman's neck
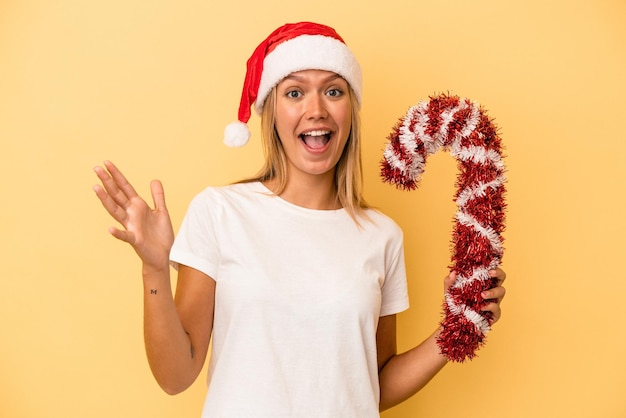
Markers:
(311, 192)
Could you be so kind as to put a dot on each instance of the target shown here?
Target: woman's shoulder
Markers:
(235, 194)
(381, 221)
(230, 190)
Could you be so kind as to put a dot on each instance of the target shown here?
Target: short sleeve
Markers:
(395, 297)
(195, 244)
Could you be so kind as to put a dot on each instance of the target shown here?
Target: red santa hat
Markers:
(290, 48)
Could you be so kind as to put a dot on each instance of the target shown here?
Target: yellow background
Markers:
(151, 85)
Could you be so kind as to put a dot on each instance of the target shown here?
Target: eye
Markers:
(293, 94)
(335, 92)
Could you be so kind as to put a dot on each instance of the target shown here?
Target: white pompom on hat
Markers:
(290, 48)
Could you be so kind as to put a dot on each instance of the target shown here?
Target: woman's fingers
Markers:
(111, 188)
(448, 281)
(127, 189)
(492, 296)
(496, 293)
(148, 231)
(117, 196)
(111, 206)
(499, 274)
(122, 235)
(116, 212)
(495, 310)
(158, 195)
(115, 184)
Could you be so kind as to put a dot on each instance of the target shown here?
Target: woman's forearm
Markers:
(405, 374)
(168, 346)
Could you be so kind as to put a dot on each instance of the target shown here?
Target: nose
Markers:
(316, 107)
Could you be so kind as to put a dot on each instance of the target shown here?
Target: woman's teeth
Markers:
(317, 133)
(316, 139)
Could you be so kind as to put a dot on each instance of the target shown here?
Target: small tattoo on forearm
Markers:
(153, 291)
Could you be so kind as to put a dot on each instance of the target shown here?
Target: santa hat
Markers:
(290, 48)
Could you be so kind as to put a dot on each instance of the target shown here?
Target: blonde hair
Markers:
(348, 171)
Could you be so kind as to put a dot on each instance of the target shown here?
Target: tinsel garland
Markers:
(462, 127)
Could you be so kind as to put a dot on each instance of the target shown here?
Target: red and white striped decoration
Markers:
(461, 126)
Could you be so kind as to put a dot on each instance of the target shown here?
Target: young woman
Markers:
(294, 278)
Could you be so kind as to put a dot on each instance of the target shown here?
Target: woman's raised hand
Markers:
(149, 231)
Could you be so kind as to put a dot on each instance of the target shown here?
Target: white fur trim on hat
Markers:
(308, 52)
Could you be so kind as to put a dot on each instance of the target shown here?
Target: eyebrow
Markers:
(295, 77)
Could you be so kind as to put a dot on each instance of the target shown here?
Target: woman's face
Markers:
(312, 118)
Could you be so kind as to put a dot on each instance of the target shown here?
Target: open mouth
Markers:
(315, 139)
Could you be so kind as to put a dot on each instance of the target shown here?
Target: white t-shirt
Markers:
(298, 297)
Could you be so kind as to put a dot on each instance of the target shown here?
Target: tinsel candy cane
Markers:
(462, 127)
